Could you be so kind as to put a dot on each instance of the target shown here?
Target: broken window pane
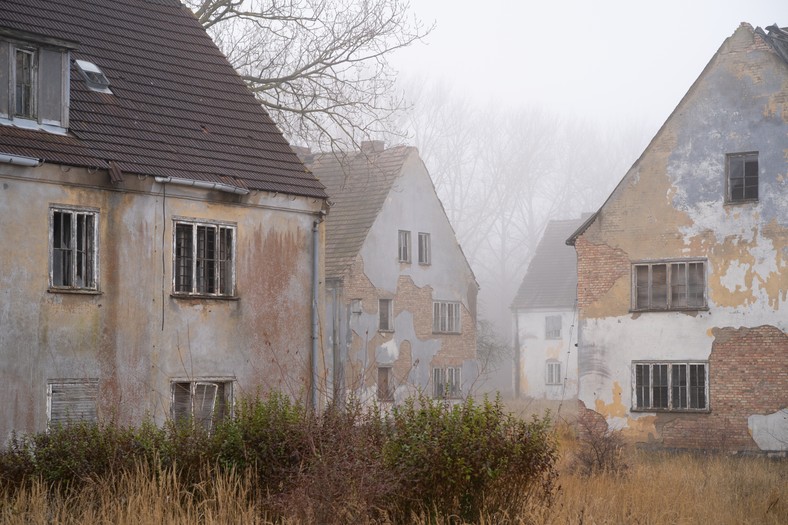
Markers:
(25, 65)
(73, 249)
(204, 259)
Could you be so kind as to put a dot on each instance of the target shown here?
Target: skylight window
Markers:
(94, 77)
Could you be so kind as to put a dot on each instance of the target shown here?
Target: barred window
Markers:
(204, 259)
(73, 250)
(446, 383)
(671, 386)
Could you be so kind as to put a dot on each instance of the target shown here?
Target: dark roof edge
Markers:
(586, 223)
(17, 34)
(777, 39)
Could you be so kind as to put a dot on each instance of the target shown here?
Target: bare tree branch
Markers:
(320, 67)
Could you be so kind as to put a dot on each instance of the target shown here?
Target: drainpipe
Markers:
(20, 160)
(315, 302)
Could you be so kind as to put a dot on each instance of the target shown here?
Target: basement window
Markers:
(204, 259)
(73, 249)
(70, 400)
(670, 386)
(446, 383)
(669, 285)
(742, 180)
(203, 403)
(95, 79)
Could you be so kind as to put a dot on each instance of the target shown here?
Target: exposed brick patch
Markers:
(598, 268)
(748, 374)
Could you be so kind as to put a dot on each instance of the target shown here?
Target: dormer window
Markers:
(37, 74)
(94, 77)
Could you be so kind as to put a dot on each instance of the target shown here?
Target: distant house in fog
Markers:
(544, 315)
(683, 272)
(400, 295)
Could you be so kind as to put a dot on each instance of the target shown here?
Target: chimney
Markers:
(372, 146)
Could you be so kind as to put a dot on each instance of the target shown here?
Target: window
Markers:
(74, 253)
(71, 400)
(552, 327)
(446, 383)
(35, 84)
(446, 317)
(94, 77)
(386, 323)
(424, 248)
(553, 373)
(385, 390)
(26, 67)
(203, 402)
(671, 386)
(404, 246)
(204, 259)
(742, 177)
(669, 286)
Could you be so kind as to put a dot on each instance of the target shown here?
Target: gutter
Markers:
(20, 160)
(203, 184)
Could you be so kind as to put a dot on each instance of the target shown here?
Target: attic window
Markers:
(94, 77)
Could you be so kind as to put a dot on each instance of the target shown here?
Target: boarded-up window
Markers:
(670, 386)
(203, 402)
(386, 321)
(70, 400)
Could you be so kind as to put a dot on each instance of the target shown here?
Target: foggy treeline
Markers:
(504, 171)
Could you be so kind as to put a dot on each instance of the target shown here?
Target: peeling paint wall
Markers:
(671, 206)
(134, 336)
(411, 349)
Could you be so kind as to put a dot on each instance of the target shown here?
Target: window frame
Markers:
(89, 395)
(553, 373)
(91, 259)
(403, 246)
(425, 251)
(643, 395)
(226, 395)
(389, 317)
(672, 289)
(385, 387)
(32, 95)
(443, 376)
(194, 271)
(551, 332)
(446, 317)
(745, 158)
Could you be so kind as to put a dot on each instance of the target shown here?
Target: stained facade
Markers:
(683, 272)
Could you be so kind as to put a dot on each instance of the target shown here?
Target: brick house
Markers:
(683, 271)
(544, 313)
(159, 232)
(400, 295)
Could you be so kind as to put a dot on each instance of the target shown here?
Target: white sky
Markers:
(608, 60)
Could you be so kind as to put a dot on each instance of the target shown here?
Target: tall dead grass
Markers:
(656, 489)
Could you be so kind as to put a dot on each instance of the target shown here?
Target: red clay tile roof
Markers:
(358, 184)
(178, 107)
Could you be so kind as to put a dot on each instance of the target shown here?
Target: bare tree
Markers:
(319, 67)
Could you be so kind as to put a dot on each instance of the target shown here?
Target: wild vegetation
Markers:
(426, 463)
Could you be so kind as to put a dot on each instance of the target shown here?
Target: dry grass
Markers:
(655, 489)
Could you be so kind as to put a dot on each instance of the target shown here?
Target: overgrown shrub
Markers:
(469, 457)
(599, 448)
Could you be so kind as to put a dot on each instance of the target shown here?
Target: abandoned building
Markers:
(400, 295)
(160, 235)
(683, 271)
(544, 314)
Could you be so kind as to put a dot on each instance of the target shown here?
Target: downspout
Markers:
(516, 354)
(315, 301)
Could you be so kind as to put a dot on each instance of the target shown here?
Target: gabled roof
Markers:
(551, 279)
(177, 108)
(357, 184)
